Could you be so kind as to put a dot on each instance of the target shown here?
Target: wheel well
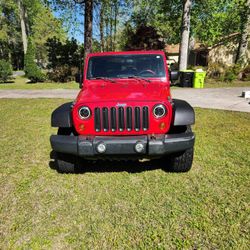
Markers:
(67, 131)
(180, 129)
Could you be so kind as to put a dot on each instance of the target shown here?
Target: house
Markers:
(198, 55)
(223, 52)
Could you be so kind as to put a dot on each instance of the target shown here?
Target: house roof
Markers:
(174, 48)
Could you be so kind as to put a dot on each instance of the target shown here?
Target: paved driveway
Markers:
(18, 73)
(217, 98)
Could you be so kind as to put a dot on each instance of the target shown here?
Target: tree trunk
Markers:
(107, 33)
(24, 25)
(185, 30)
(101, 27)
(242, 54)
(111, 28)
(115, 24)
(88, 19)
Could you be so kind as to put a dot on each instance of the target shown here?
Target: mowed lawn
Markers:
(121, 206)
(20, 82)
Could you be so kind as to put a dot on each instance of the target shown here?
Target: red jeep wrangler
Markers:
(124, 110)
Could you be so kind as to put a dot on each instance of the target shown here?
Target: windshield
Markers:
(125, 66)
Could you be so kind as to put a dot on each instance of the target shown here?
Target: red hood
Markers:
(131, 90)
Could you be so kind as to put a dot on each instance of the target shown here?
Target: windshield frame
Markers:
(164, 71)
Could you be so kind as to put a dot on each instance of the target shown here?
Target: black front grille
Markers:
(129, 118)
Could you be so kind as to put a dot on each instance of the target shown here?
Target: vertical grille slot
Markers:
(129, 118)
(121, 118)
(137, 119)
(105, 119)
(97, 119)
(118, 118)
(145, 121)
(113, 119)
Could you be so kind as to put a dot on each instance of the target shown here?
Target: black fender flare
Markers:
(61, 116)
(183, 113)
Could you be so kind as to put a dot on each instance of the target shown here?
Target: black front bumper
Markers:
(86, 147)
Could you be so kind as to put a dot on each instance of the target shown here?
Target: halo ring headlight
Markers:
(159, 111)
(84, 113)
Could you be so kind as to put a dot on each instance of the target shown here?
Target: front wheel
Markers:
(181, 162)
(66, 163)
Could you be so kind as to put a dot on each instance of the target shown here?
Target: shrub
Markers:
(60, 74)
(63, 73)
(5, 71)
(245, 73)
(216, 70)
(229, 75)
(31, 69)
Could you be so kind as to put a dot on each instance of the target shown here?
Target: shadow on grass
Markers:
(102, 166)
(7, 82)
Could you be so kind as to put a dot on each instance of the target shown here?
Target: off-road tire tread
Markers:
(181, 161)
(66, 163)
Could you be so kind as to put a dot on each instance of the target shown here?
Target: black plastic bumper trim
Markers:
(64, 144)
(118, 145)
(171, 144)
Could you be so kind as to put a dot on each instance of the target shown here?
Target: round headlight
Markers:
(84, 113)
(159, 111)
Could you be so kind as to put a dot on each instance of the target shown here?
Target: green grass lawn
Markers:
(20, 83)
(210, 83)
(120, 206)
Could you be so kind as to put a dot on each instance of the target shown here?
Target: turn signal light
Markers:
(162, 125)
(81, 127)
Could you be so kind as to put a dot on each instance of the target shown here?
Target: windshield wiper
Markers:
(102, 78)
(140, 78)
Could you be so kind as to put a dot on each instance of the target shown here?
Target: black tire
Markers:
(181, 161)
(65, 131)
(66, 163)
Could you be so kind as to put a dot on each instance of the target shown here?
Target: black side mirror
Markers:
(174, 75)
(79, 79)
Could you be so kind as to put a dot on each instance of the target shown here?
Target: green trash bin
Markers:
(199, 78)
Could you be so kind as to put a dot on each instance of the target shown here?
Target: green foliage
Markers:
(65, 59)
(210, 19)
(213, 19)
(10, 35)
(5, 71)
(20, 82)
(163, 15)
(63, 73)
(44, 29)
(41, 25)
(30, 67)
(229, 75)
(216, 70)
(223, 72)
(144, 38)
(246, 73)
(68, 53)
